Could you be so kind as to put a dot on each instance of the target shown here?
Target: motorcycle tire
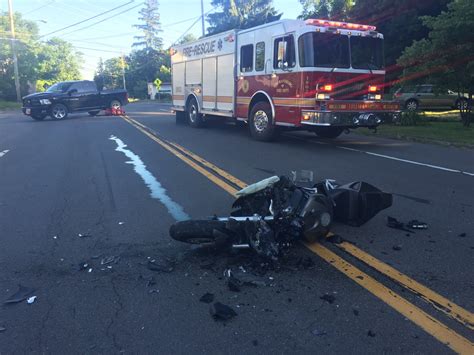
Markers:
(199, 232)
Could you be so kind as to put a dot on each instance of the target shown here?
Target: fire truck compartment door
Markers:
(193, 72)
(225, 82)
(178, 84)
(209, 83)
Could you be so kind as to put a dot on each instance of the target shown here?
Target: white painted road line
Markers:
(4, 152)
(407, 161)
(156, 189)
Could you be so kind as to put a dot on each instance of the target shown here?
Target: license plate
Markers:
(28, 111)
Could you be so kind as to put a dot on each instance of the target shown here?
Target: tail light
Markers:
(373, 88)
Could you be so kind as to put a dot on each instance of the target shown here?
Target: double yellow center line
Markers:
(440, 331)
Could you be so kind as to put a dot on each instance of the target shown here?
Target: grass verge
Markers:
(8, 105)
(447, 133)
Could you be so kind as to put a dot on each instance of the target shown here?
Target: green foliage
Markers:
(42, 62)
(189, 37)
(240, 14)
(445, 58)
(151, 27)
(410, 118)
(326, 9)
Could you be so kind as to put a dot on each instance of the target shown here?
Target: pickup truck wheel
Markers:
(115, 104)
(39, 116)
(261, 122)
(328, 132)
(59, 112)
(93, 113)
(194, 117)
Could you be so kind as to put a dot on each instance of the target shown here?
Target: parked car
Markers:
(72, 96)
(427, 97)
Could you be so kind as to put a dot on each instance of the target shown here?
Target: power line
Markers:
(88, 19)
(105, 19)
(185, 32)
(38, 8)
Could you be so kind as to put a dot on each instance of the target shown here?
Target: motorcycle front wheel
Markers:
(199, 231)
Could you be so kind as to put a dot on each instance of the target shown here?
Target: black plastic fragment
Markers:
(328, 298)
(234, 284)
(222, 312)
(207, 298)
(160, 266)
(357, 202)
(396, 224)
(371, 334)
(21, 295)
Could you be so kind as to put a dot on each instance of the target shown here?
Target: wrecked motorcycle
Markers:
(272, 214)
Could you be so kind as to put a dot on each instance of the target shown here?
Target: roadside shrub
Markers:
(410, 118)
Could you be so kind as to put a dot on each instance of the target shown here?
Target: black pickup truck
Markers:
(72, 96)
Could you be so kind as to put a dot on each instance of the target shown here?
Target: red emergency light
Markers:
(337, 24)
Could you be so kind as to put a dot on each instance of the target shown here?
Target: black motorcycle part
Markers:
(209, 232)
(317, 216)
(358, 202)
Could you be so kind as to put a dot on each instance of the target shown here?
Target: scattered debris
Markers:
(462, 235)
(234, 284)
(120, 223)
(207, 298)
(255, 342)
(334, 238)
(55, 237)
(109, 260)
(164, 266)
(318, 332)
(90, 270)
(397, 247)
(31, 299)
(328, 298)
(154, 290)
(371, 333)
(2, 329)
(415, 224)
(222, 312)
(80, 235)
(396, 224)
(83, 265)
(21, 295)
(355, 311)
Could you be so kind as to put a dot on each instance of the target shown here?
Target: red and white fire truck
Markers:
(319, 75)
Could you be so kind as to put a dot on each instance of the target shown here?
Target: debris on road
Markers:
(110, 259)
(2, 329)
(80, 235)
(318, 332)
(162, 266)
(334, 238)
(121, 223)
(221, 312)
(328, 298)
(21, 295)
(83, 265)
(396, 224)
(207, 298)
(234, 284)
(415, 224)
(272, 214)
(31, 299)
(371, 334)
(462, 235)
(397, 247)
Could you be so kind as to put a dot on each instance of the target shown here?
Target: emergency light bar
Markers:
(337, 24)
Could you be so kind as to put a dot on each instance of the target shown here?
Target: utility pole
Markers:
(202, 17)
(15, 58)
(123, 72)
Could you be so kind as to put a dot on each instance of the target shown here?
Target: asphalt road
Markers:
(104, 178)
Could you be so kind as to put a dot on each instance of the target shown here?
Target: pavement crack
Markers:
(117, 301)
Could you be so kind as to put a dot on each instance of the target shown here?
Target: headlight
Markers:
(45, 102)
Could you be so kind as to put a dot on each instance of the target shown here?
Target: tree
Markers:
(326, 9)
(26, 34)
(151, 27)
(57, 61)
(446, 57)
(109, 73)
(187, 38)
(240, 14)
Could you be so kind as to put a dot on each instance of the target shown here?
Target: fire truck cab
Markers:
(319, 75)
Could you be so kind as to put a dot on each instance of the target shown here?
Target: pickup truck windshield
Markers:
(59, 87)
(367, 53)
(323, 50)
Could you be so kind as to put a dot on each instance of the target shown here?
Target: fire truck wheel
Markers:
(194, 117)
(180, 117)
(328, 132)
(260, 122)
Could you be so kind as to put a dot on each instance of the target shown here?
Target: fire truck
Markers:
(318, 75)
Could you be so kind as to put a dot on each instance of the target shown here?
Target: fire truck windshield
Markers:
(367, 53)
(324, 50)
(330, 50)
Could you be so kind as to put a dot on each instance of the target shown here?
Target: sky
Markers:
(114, 35)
